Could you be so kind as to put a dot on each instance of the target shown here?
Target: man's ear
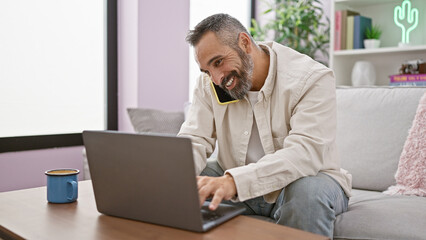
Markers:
(244, 42)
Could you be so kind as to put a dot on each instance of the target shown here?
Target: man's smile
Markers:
(229, 84)
(230, 81)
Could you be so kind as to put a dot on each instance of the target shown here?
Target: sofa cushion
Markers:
(372, 126)
(155, 121)
(374, 215)
(411, 174)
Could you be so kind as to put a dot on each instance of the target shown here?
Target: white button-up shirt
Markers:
(296, 119)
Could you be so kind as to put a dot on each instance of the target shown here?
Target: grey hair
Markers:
(226, 28)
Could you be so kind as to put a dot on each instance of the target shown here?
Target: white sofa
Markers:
(373, 125)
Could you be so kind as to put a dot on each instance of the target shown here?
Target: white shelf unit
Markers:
(388, 58)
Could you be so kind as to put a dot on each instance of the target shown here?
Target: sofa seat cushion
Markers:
(374, 215)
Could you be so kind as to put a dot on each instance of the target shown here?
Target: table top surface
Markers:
(27, 214)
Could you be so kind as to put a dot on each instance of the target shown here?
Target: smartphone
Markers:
(222, 96)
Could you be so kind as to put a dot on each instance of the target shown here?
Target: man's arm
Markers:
(199, 125)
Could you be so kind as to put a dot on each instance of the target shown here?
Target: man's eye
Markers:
(218, 62)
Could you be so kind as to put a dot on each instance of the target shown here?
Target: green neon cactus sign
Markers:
(411, 15)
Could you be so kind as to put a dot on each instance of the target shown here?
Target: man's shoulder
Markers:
(292, 63)
(202, 87)
(280, 49)
(292, 56)
(203, 83)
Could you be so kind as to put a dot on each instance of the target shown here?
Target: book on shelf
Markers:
(345, 15)
(337, 29)
(340, 33)
(408, 80)
(414, 84)
(408, 77)
(361, 23)
(350, 32)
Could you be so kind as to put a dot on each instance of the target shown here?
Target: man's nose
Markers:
(217, 77)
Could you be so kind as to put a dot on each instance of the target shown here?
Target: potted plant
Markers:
(297, 24)
(372, 35)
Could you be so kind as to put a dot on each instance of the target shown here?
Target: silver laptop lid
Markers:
(150, 178)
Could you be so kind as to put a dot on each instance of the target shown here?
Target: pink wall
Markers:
(26, 169)
(163, 54)
(127, 61)
(153, 73)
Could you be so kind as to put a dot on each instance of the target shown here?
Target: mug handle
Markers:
(74, 190)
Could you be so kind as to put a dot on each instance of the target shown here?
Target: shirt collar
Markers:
(268, 86)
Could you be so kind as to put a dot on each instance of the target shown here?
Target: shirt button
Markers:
(246, 133)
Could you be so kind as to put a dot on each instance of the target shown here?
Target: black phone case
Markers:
(222, 95)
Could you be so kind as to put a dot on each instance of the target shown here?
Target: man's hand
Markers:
(218, 187)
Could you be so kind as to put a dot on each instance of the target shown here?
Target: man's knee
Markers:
(306, 204)
(310, 189)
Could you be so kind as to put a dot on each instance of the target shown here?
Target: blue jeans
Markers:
(309, 203)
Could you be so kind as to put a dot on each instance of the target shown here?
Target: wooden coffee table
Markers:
(26, 214)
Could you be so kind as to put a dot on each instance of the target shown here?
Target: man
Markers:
(276, 137)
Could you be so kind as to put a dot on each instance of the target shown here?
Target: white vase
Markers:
(371, 43)
(363, 74)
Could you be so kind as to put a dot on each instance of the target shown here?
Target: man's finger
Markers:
(204, 192)
(201, 181)
(217, 198)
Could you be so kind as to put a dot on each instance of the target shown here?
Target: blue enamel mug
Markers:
(62, 185)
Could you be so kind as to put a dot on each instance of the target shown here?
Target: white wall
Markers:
(153, 72)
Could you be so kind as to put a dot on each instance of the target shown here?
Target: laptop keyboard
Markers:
(210, 215)
(222, 213)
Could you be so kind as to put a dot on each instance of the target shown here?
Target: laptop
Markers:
(149, 178)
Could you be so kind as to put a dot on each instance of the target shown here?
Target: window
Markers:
(200, 9)
(58, 71)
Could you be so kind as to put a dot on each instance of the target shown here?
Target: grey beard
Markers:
(241, 89)
(244, 76)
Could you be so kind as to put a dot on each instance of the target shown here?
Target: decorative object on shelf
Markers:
(371, 43)
(413, 67)
(406, 13)
(411, 73)
(372, 35)
(363, 74)
(296, 25)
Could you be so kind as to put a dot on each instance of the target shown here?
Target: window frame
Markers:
(22, 143)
